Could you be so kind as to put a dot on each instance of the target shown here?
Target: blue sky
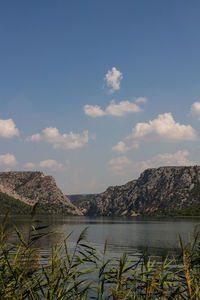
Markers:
(121, 76)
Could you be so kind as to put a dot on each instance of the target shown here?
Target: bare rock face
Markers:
(32, 187)
(163, 190)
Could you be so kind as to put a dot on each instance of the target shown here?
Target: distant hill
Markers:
(32, 187)
(77, 199)
(158, 191)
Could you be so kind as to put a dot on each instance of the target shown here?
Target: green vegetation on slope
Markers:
(192, 211)
(17, 207)
(77, 199)
(14, 206)
(189, 211)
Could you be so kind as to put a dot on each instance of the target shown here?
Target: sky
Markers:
(94, 92)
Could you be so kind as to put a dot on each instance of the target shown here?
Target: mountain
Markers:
(77, 199)
(158, 191)
(32, 187)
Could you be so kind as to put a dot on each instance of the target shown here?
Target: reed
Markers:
(87, 273)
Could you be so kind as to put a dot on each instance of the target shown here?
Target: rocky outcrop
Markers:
(32, 187)
(162, 190)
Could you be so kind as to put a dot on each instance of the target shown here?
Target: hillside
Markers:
(77, 199)
(14, 206)
(161, 191)
(32, 187)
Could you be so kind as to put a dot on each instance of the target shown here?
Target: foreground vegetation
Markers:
(85, 273)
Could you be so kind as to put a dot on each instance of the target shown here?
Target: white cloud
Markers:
(120, 164)
(120, 147)
(141, 100)
(123, 166)
(163, 128)
(94, 111)
(113, 109)
(8, 129)
(50, 164)
(61, 141)
(195, 110)
(34, 138)
(29, 166)
(178, 158)
(7, 160)
(113, 79)
(122, 108)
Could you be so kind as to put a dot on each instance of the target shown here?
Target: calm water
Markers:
(134, 235)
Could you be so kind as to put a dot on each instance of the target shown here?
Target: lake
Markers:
(133, 235)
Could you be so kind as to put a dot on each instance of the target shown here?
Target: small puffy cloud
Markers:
(113, 79)
(94, 111)
(7, 160)
(119, 165)
(61, 141)
(195, 110)
(8, 129)
(50, 164)
(120, 147)
(34, 138)
(122, 108)
(141, 100)
(113, 109)
(29, 166)
(163, 128)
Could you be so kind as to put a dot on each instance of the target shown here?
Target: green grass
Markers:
(86, 273)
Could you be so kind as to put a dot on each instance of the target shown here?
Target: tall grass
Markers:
(86, 273)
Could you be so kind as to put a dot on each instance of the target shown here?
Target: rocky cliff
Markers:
(32, 187)
(157, 191)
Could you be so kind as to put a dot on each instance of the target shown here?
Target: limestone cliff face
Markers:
(32, 187)
(165, 189)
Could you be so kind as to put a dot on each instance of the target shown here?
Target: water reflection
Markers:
(131, 234)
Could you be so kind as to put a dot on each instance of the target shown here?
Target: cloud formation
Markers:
(29, 166)
(8, 129)
(121, 147)
(123, 166)
(195, 110)
(113, 79)
(94, 111)
(51, 164)
(7, 160)
(179, 158)
(61, 141)
(113, 109)
(119, 165)
(163, 128)
(141, 100)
